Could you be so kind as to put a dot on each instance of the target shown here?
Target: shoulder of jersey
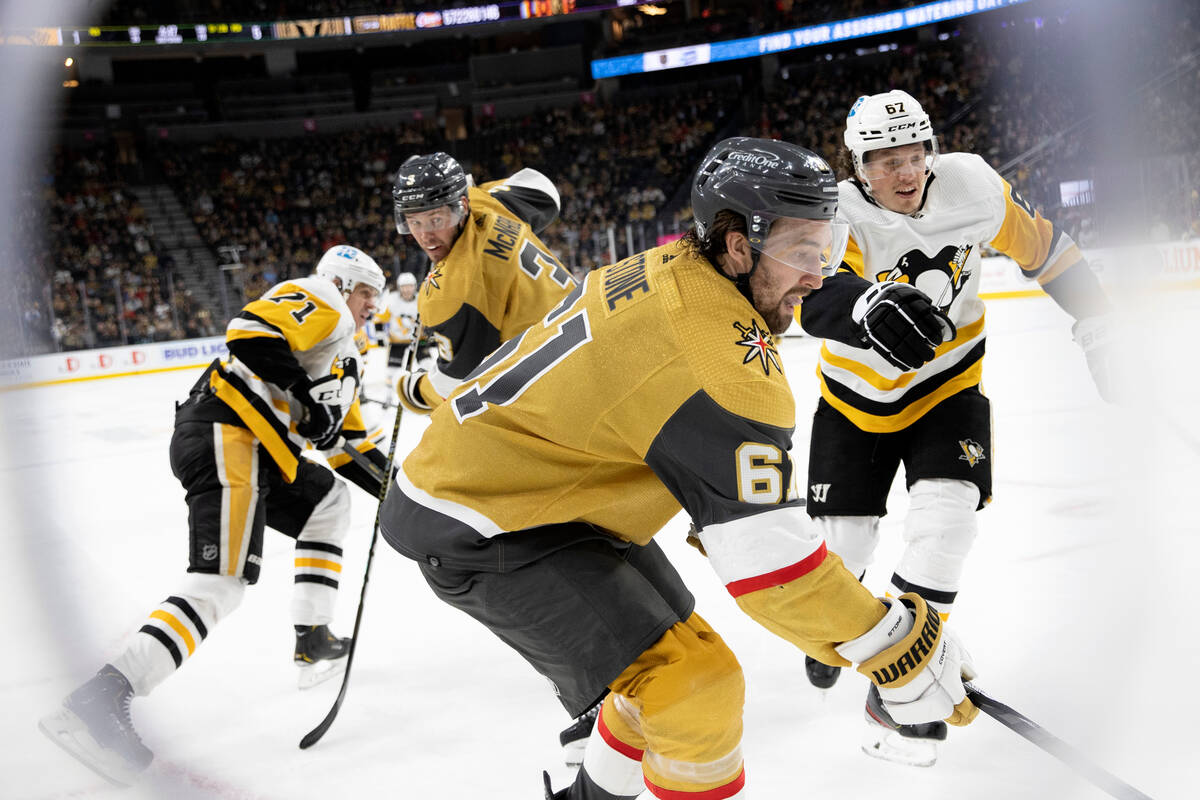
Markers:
(483, 202)
(967, 172)
(320, 288)
(854, 206)
(728, 346)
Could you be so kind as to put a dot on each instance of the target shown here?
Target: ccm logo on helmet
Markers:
(755, 159)
(902, 127)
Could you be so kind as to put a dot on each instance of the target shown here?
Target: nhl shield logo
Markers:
(209, 552)
(972, 452)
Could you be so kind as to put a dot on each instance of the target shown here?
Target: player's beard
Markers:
(768, 301)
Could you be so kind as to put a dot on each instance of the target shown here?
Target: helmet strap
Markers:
(462, 223)
(742, 282)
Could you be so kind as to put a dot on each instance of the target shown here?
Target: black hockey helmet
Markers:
(427, 182)
(764, 180)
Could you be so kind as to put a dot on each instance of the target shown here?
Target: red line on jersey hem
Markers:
(721, 792)
(627, 750)
(779, 576)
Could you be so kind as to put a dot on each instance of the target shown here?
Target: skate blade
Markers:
(315, 674)
(889, 745)
(69, 732)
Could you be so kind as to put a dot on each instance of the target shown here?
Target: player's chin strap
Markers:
(742, 280)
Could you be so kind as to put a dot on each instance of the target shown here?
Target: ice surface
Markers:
(1076, 606)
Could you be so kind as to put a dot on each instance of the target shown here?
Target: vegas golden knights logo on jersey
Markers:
(431, 280)
(758, 344)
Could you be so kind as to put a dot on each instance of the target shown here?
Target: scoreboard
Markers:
(316, 28)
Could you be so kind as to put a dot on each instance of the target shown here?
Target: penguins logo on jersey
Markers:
(431, 280)
(972, 452)
(758, 345)
(941, 277)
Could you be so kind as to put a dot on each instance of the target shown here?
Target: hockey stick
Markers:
(1022, 725)
(364, 462)
(314, 736)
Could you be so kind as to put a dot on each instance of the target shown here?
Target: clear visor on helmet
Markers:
(433, 220)
(916, 159)
(815, 246)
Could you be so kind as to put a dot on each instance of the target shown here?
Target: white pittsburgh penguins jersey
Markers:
(311, 316)
(397, 319)
(937, 249)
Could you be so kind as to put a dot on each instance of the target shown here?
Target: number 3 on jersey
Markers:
(511, 383)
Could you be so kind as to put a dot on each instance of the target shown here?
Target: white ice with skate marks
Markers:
(1077, 608)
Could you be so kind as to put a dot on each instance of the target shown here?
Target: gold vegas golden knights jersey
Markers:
(653, 386)
(297, 328)
(967, 205)
(497, 280)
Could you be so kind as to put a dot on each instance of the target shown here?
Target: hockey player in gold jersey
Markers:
(291, 381)
(491, 277)
(901, 365)
(533, 498)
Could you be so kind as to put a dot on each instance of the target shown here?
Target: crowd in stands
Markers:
(283, 202)
(615, 164)
(621, 164)
(97, 276)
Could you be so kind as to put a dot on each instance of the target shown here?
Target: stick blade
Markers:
(314, 736)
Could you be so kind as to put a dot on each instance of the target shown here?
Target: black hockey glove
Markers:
(901, 324)
(322, 401)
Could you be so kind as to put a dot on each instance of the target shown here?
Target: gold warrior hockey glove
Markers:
(917, 664)
(408, 387)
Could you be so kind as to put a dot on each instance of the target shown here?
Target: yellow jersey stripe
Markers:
(870, 376)
(1068, 259)
(873, 423)
(280, 453)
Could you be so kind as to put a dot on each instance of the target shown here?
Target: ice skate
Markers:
(320, 655)
(574, 739)
(914, 745)
(821, 675)
(94, 726)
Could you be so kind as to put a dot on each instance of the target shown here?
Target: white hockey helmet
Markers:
(406, 279)
(890, 119)
(350, 266)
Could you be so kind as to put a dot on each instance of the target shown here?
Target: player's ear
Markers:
(737, 253)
